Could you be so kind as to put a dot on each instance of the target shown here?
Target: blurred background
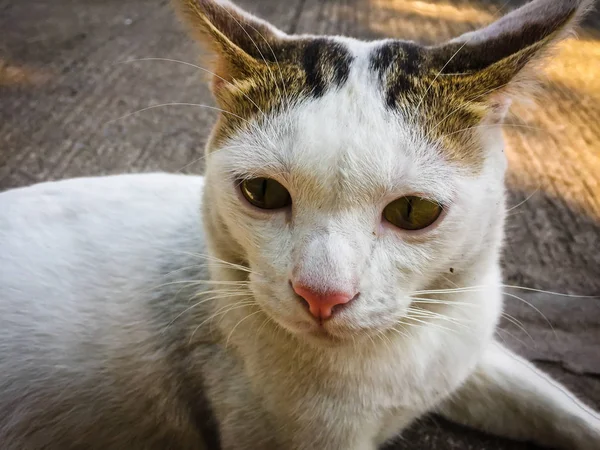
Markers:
(70, 87)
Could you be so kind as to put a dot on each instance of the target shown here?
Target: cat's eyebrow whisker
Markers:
(505, 125)
(220, 149)
(251, 124)
(160, 105)
(199, 68)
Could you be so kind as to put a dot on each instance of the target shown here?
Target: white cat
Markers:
(333, 277)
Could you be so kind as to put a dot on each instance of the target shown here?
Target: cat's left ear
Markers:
(496, 62)
(240, 43)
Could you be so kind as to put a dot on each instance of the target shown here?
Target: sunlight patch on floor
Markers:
(14, 75)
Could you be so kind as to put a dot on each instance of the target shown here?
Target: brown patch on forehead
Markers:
(283, 73)
(448, 90)
(439, 103)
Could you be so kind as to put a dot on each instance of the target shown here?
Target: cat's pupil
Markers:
(409, 208)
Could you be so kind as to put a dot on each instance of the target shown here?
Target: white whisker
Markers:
(237, 324)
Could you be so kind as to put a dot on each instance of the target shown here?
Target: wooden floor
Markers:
(64, 89)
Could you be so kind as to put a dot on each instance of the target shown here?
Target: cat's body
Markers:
(127, 339)
(272, 295)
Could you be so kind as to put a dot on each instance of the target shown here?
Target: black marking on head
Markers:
(383, 57)
(398, 64)
(412, 61)
(325, 63)
(310, 63)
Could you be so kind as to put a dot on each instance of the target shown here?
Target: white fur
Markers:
(84, 316)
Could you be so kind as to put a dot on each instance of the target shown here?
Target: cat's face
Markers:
(361, 173)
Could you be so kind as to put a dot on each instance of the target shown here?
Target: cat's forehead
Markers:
(344, 145)
(373, 81)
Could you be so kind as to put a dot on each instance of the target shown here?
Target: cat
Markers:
(333, 277)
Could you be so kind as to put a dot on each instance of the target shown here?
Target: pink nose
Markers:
(321, 305)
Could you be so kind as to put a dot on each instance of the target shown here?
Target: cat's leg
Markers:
(508, 396)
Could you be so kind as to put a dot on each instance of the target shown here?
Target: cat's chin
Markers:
(326, 335)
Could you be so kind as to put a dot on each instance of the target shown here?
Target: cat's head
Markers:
(349, 175)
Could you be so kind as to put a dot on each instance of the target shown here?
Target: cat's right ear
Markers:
(502, 58)
(240, 44)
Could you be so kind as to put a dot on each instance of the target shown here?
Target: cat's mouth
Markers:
(345, 326)
(332, 332)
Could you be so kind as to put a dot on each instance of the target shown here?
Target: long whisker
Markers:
(198, 283)
(217, 260)
(176, 104)
(518, 324)
(460, 322)
(508, 286)
(237, 324)
(525, 344)
(426, 300)
(524, 201)
(404, 333)
(222, 311)
(423, 314)
(220, 149)
(429, 323)
(214, 297)
(199, 68)
(536, 310)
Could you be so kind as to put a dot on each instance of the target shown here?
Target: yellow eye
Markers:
(412, 213)
(265, 193)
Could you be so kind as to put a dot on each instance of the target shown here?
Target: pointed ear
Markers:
(500, 57)
(240, 43)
